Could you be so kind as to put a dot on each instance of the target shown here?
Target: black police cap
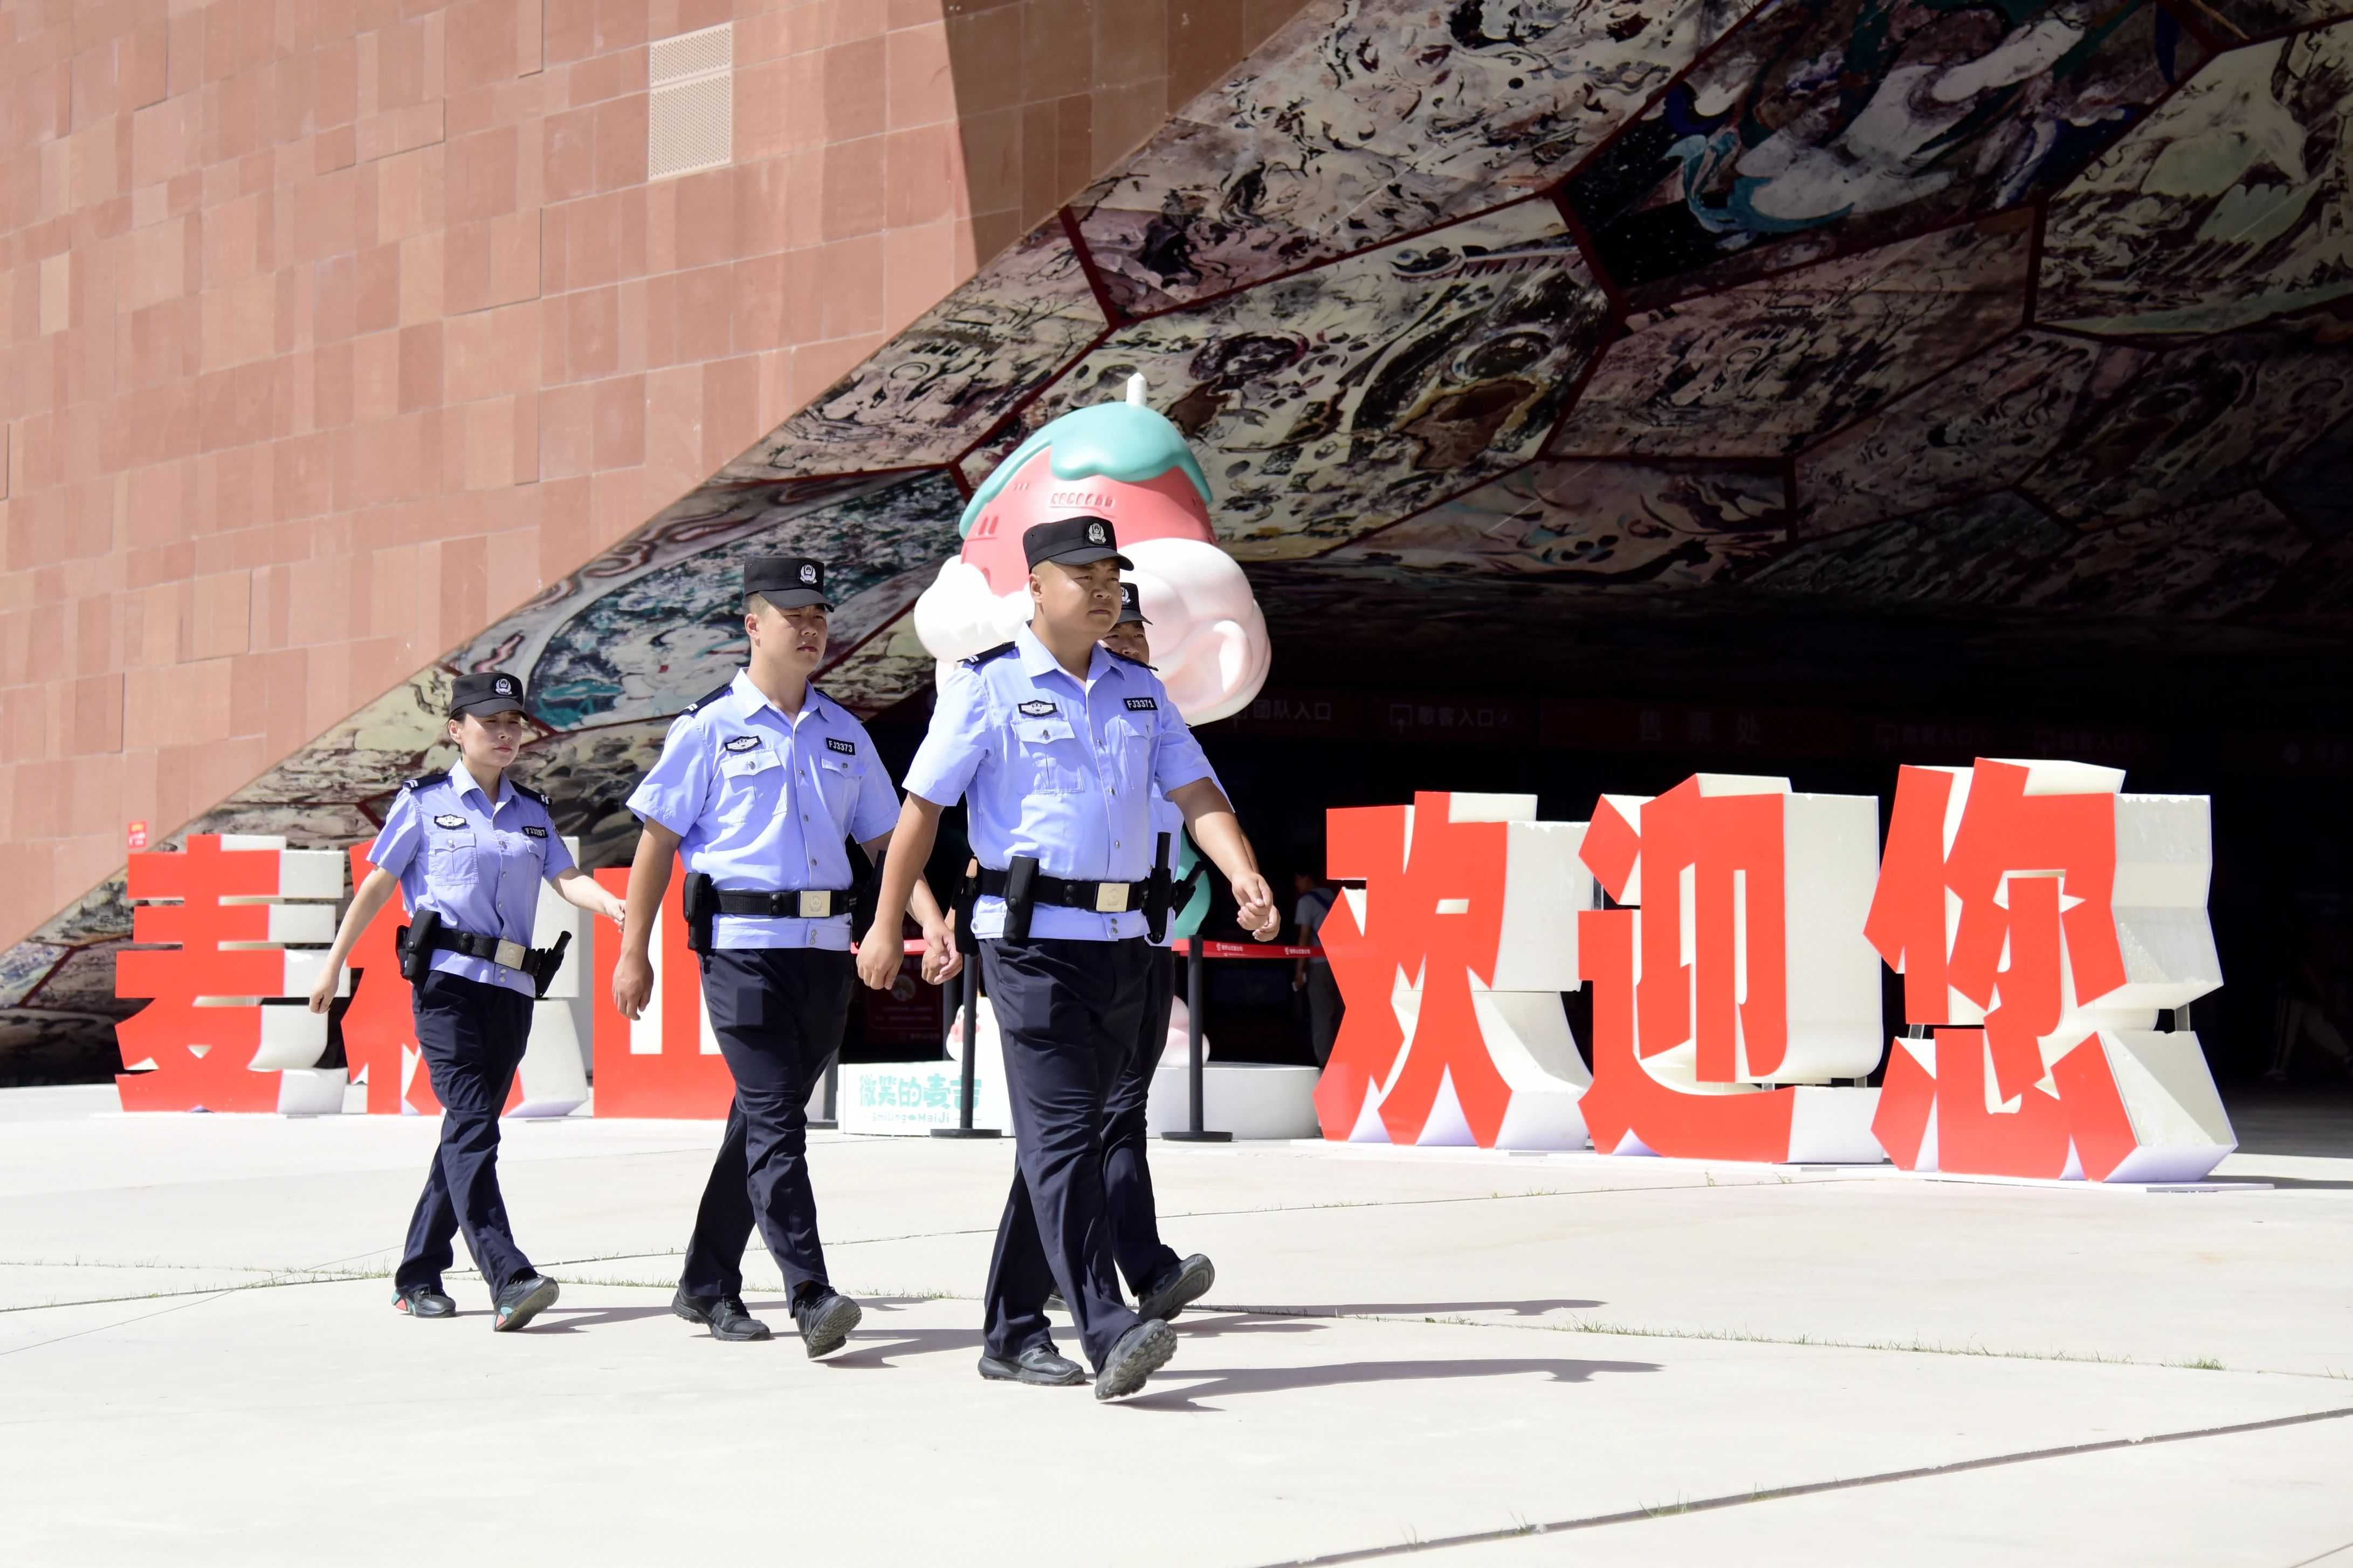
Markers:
(486, 692)
(787, 582)
(1131, 606)
(1074, 542)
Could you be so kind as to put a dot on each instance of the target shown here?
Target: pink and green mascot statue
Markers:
(1124, 462)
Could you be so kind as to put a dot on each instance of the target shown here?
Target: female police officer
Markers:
(1055, 744)
(469, 847)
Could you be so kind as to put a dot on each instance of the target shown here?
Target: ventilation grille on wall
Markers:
(690, 111)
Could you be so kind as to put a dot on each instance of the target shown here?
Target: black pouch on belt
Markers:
(544, 961)
(1021, 893)
(701, 901)
(865, 890)
(967, 898)
(414, 944)
(1156, 895)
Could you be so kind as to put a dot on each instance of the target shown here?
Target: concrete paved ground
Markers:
(1478, 1358)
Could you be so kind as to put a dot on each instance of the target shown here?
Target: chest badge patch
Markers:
(1040, 709)
(847, 748)
(446, 820)
(532, 830)
(743, 742)
(1144, 703)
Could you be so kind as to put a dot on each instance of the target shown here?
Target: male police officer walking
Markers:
(469, 846)
(1056, 743)
(1163, 1284)
(760, 783)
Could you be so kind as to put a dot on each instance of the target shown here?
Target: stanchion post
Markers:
(1193, 1132)
(963, 1127)
(831, 1118)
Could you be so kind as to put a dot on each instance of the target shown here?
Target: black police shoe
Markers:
(423, 1301)
(1141, 1351)
(723, 1315)
(1039, 1364)
(522, 1300)
(1178, 1285)
(826, 1319)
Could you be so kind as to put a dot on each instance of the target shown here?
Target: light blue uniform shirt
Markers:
(1060, 769)
(761, 801)
(478, 865)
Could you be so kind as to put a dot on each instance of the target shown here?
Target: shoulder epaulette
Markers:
(1130, 658)
(984, 655)
(425, 780)
(539, 795)
(708, 698)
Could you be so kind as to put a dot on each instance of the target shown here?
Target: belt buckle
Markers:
(1111, 898)
(509, 954)
(816, 905)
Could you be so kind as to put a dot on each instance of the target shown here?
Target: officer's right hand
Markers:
(323, 993)
(877, 962)
(633, 984)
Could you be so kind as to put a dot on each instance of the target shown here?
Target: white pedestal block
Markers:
(1249, 1100)
(1832, 1127)
(553, 1081)
(312, 1091)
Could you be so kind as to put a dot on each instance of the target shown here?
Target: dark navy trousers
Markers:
(1067, 1013)
(473, 1035)
(1127, 1176)
(778, 1014)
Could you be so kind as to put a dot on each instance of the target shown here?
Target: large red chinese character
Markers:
(666, 1063)
(1742, 970)
(196, 1040)
(380, 1025)
(2002, 904)
(1451, 959)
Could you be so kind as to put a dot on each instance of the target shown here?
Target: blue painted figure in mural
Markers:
(1868, 118)
(469, 849)
(1056, 745)
(759, 788)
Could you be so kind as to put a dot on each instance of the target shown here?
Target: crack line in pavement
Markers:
(2332, 1552)
(1808, 1489)
(1230, 1214)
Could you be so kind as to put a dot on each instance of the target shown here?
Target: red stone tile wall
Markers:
(331, 329)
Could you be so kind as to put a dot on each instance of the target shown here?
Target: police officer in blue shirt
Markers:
(1163, 1284)
(1055, 744)
(468, 848)
(759, 785)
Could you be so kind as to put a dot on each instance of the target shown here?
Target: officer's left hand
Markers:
(1257, 913)
(941, 962)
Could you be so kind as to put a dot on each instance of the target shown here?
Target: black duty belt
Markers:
(1102, 898)
(419, 942)
(473, 944)
(803, 904)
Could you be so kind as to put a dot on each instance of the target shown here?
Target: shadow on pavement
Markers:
(1414, 1308)
(1290, 1379)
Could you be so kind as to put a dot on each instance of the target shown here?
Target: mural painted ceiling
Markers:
(1805, 342)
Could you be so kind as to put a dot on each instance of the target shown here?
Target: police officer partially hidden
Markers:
(1056, 743)
(759, 785)
(468, 848)
(1162, 1283)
